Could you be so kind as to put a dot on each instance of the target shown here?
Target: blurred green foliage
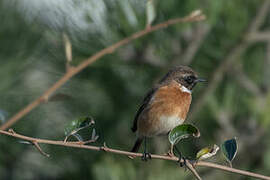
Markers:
(32, 58)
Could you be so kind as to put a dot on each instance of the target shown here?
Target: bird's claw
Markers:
(170, 154)
(146, 156)
(184, 163)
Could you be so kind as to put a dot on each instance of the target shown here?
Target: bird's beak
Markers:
(201, 80)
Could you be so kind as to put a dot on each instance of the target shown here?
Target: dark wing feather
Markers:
(146, 100)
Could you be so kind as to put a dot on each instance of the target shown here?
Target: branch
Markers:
(192, 169)
(193, 47)
(194, 16)
(245, 81)
(260, 17)
(39, 149)
(126, 153)
(259, 36)
(217, 76)
(233, 170)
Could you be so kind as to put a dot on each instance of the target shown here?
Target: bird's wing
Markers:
(146, 101)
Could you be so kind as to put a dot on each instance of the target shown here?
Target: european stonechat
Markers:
(165, 106)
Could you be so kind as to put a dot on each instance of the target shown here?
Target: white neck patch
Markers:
(184, 89)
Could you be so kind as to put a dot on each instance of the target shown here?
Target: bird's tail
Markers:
(137, 145)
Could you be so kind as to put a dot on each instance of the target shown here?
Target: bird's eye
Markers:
(189, 79)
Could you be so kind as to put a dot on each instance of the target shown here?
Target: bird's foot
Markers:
(182, 163)
(146, 156)
(169, 153)
(181, 159)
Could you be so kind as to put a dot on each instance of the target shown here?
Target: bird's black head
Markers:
(183, 75)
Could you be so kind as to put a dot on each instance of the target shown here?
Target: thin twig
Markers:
(193, 170)
(229, 169)
(260, 17)
(259, 36)
(187, 56)
(194, 16)
(201, 32)
(217, 76)
(245, 81)
(126, 153)
(39, 149)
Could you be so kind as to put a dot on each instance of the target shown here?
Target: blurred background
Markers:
(231, 49)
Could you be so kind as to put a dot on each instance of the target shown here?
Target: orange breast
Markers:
(167, 109)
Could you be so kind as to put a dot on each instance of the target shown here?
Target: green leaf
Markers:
(78, 125)
(207, 152)
(229, 149)
(150, 12)
(183, 131)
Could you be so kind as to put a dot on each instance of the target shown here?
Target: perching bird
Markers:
(165, 106)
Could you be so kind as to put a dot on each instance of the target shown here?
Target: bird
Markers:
(165, 106)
